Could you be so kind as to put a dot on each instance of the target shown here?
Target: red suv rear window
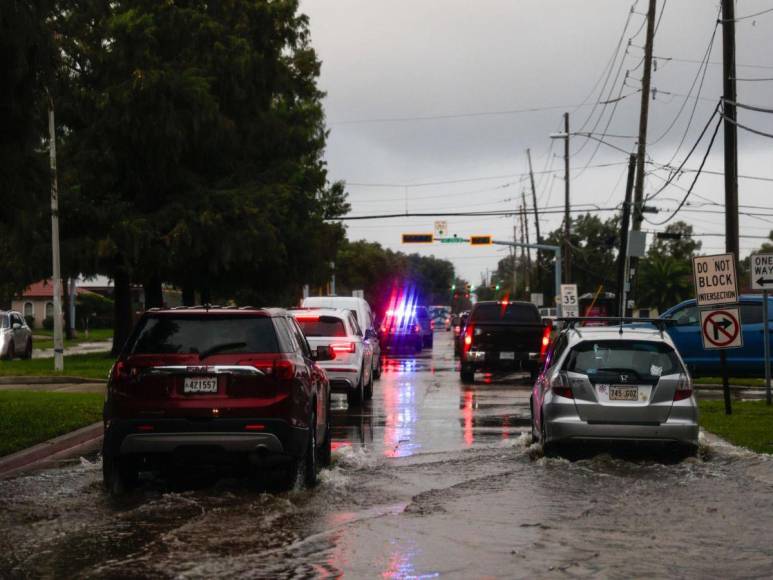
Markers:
(205, 335)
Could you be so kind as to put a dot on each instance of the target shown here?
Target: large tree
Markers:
(195, 134)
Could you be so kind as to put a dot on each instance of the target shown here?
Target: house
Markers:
(37, 301)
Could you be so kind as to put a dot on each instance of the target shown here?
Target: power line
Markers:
(738, 19)
(712, 62)
(695, 180)
(745, 128)
(501, 213)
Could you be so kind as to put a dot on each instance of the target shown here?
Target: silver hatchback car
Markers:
(614, 383)
(15, 336)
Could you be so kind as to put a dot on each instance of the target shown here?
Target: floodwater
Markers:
(431, 479)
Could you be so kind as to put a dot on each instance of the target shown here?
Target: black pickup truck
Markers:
(504, 337)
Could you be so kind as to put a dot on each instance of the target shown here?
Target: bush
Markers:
(97, 308)
(30, 320)
(48, 323)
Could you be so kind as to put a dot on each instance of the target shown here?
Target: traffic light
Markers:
(453, 287)
(418, 238)
(480, 240)
(497, 287)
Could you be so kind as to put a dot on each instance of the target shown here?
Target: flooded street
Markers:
(433, 478)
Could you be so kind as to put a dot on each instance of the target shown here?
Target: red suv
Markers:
(237, 386)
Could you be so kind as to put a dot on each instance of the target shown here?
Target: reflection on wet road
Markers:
(432, 478)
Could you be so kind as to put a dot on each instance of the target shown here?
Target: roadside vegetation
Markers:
(750, 425)
(89, 366)
(28, 418)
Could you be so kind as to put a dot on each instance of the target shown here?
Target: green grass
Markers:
(750, 425)
(28, 418)
(92, 366)
(743, 382)
(95, 335)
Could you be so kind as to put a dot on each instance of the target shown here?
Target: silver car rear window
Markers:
(648, 360)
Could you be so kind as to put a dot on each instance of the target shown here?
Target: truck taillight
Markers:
(545, 341)
(683, 389)
(560, 386)
(468, 337)
(344, 347)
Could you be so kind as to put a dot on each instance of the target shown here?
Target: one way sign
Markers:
(762, 271)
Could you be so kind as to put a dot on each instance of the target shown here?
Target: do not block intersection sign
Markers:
(721, 328)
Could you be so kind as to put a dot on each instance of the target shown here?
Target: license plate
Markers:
(506, 356)
(623, 393)
(200, 385)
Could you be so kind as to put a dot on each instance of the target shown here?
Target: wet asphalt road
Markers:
(431, 479)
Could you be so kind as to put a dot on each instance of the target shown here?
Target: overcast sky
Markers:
(430, 105)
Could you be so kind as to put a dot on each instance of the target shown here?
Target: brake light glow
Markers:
(468, 337)
(145, 428)
(254, 427)
(545, 341)
(344, 347)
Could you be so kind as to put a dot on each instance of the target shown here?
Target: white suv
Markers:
(351, 371)
(363, 316)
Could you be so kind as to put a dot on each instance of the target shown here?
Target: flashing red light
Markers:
(344, 347)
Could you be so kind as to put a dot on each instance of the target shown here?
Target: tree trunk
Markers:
(154, 296)
(122, 309)
(189, 294)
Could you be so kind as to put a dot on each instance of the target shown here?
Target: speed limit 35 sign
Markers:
(570, 303)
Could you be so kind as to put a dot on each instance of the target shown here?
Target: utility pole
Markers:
(567, 206)
(523, 255)
(641, 152)
(526, 227)
(56, 274)
(731, 138)
(622, 258)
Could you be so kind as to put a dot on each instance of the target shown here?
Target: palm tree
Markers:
(663, 281)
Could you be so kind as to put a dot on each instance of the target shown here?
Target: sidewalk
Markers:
(81, 348)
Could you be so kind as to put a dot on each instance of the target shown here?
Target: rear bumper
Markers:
(343, 380)
(562, 424)
(276, 438)
(491, 361)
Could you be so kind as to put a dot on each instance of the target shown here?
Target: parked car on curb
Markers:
(747, 361)
(364, 316)
(503, 337)
(352, 371)
(15, 336)
(614, 383)
(236, 386)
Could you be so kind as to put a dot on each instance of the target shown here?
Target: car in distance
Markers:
(216, 386)
(15, 336)
(747, 361)
(503, 336)
(400, 330)
(362, 313)
(425, 322)
(351, 372)
(614, 383)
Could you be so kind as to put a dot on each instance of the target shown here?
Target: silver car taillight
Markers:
(683, 388)
(561, 387)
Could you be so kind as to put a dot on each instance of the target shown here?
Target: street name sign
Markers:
(570, 304)
(762, 271)
(453, 240)
(715, 279)
(721, 328)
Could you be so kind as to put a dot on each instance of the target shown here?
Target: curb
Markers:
(55, 448)
(46, 380)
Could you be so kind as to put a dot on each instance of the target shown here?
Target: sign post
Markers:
(762, 279)
(716, 284)
(570, 304)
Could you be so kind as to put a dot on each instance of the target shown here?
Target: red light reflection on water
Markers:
(467, 410)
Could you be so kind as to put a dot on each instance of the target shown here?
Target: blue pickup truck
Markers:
(746, 361)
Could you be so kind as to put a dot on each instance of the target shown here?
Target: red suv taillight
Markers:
(683, 389)
(284, 369)
(560, 386)
(120, 376)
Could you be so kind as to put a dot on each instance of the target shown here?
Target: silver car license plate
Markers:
(506, 356)
(623, 393)
(193, 385)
